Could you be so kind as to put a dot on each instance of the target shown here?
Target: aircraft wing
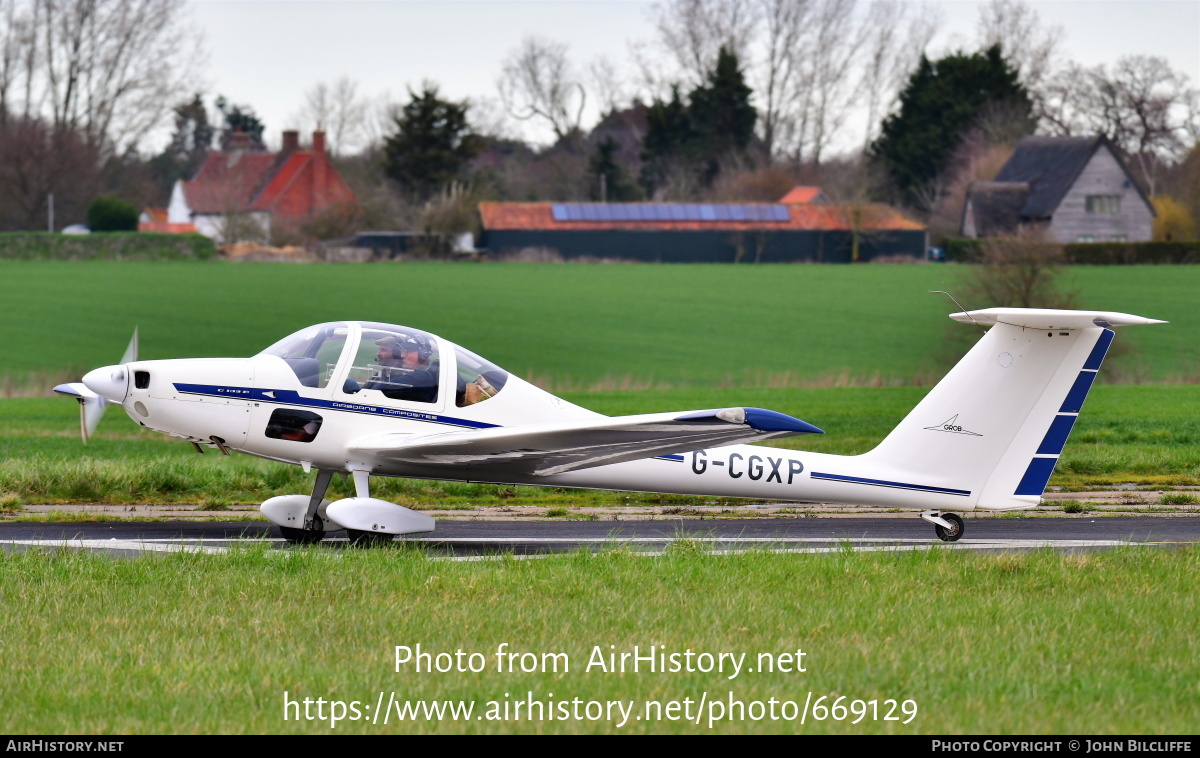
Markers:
(545, 449)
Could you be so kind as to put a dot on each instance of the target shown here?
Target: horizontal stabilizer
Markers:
(546, 449)
(1050, 319)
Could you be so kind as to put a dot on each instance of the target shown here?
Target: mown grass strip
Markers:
(1041, 642)
(571, 327)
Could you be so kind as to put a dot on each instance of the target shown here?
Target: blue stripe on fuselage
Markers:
(893, 485)
(291, 397)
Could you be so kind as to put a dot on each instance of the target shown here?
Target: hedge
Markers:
(112, 246)
(1095, 253)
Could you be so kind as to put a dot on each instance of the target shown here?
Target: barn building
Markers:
(1074, 189)
(803, 227)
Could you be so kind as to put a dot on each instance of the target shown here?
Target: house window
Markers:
(1085, 238)
(1118, 238)
(1109, 204)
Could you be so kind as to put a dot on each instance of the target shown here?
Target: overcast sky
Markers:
(267, 53)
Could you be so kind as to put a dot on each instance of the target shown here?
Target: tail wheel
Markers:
(955, 532)
(302, 536)
(360, 538)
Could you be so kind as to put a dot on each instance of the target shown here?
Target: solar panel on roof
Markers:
(702, 212)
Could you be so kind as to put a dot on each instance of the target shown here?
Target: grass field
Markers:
(1098, 643)
(567, 326)
(1144, 434)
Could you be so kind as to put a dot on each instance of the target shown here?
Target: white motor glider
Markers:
(370, 399)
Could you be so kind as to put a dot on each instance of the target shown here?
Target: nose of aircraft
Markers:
(109, 382)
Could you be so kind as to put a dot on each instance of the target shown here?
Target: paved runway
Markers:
(471, 540)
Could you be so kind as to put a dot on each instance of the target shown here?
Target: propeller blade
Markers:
(91, 410)
(131, 352)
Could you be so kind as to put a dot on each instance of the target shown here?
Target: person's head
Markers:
(414, 351)
(388, 351)
(403, 351)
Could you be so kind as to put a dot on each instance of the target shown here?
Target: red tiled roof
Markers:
(162, 227)
(800, 196)
(294, 185)
(156, 215)
(291, 168)
(530, 216)
(227, 182)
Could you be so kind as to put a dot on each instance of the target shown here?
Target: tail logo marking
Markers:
(952, 426)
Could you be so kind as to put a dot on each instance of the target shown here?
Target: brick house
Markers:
(242, 194)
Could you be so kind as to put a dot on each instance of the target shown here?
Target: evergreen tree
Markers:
(941, 102)
(431, 145)
(606, 171)
(240, 118)
(717, 122)
(721, 111)
(189, 146)
(670, 139)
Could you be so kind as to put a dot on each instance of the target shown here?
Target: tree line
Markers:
(730, 100)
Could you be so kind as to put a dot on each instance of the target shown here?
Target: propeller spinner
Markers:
(100, 388)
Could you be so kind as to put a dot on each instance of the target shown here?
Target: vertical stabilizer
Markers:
(997, 423)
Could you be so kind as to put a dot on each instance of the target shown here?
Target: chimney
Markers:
(291, 141)
(319, 169)
(239, 141)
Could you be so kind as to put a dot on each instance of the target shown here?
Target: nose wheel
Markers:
(949, 527)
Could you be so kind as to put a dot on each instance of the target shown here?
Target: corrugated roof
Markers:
(539, 216)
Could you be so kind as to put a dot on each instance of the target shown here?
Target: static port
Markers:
(141, 379)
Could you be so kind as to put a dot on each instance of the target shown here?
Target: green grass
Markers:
(1148, 435)
(1099, 643)
(568, 326)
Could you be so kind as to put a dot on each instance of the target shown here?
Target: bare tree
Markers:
(827, 84)
(338, 110)
(784, 25)
(692, 32)
(897, 35)
(1027, 45)
(608, 84)
(537, 81)
(1146, 108)
(105, 70)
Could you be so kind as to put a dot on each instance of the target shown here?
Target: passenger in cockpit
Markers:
(404, 372)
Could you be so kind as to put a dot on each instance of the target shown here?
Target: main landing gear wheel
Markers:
(304, 536)
(953, 534)
(360, 538)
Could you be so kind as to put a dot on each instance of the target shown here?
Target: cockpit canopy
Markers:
(384, 362)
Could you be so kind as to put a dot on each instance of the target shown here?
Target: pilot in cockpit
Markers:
(404, 369)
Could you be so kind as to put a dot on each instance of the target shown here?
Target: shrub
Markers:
(963, 250)
(1132, 253)
(112, 214)
(1018, 272)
